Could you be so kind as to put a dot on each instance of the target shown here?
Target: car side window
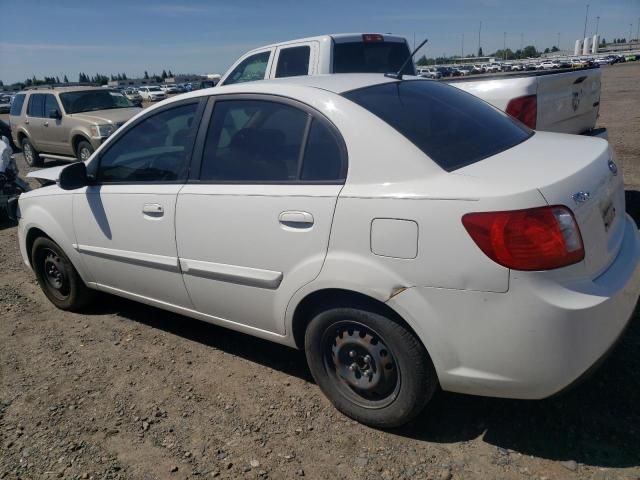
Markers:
(253, 141)
(154, 150)
(293, 61)
(323, 156)
(50, 104)
(250, 69)
(36, 105)
(16, 105)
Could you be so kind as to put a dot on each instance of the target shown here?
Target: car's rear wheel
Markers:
(57, 276)
(373, 368)
(31, 155)
(84, 150)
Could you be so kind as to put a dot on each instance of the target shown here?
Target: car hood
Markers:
(48, 174)
(115, 115)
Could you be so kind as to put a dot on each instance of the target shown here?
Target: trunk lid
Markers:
(568, 102)
(574, 171)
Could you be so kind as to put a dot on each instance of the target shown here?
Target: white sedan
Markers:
(152, 93)
(405, 234)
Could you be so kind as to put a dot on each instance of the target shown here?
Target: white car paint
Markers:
(392, 232)
(152, 93)
(564, 104)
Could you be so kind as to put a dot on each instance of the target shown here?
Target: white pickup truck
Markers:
(565, 101)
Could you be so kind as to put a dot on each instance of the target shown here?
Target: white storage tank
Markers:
(595, 44)
(578, 49)
(586, 46)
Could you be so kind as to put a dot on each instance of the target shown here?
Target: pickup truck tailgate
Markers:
(568, 102)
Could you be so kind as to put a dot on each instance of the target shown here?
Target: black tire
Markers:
(31, 155)
(398, 366)
(84, 150)
(57, 277)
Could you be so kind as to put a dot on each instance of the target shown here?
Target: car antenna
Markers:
(398, 75)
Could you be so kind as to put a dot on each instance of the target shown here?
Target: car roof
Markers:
(76, 88)
(336, 83)
(336, 37)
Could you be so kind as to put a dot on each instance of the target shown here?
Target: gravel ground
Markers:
(126, 391)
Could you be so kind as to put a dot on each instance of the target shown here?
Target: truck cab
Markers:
(336, 53)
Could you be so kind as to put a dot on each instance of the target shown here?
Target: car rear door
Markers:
(34, 121)
(295, 60)
(125, 221)
(55, 132)
(253, 224)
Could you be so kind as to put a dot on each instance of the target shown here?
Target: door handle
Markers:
(296, 219)
(46, 124)
(26, 122)
(153, 209)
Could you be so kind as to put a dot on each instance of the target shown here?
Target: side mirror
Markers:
(55, 113)
(73, 176)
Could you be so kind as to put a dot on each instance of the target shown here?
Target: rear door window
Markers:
(253, 141)
(371, 57)
(36, 105)
(16, 105)
(250, 69)
(450, 126)
(293, 61)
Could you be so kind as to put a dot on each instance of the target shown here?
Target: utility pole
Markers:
(462, 47)
(597, 23)
(584, 35)
(629, 41)
(559, 41)
(479, 32)
(504, 47)
(638, 31)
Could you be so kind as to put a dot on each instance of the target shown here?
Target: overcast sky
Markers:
(58, 37)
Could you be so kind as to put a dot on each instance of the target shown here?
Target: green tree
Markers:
(66, 80)
(170, 73)
(555, 49)
(146, 75)
(164, 74)
(480, 54)
(422, 60)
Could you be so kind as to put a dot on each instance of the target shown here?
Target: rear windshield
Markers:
(371, 57)
(450, 126)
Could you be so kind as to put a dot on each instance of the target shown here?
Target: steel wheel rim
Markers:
(361, 365)
(54, 274)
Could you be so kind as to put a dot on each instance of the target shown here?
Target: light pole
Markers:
(504, 47)
(479, 32)
(462, 47)
(584, 35)
(521, 41)
(629, 41)
(597, 23)
(559, 41)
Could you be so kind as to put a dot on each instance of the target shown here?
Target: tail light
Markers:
(524, 109)
(533, 239)
(372, 37)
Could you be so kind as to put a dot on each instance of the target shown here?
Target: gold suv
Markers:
(66, 122)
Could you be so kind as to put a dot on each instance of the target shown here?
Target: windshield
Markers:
(450, 126)
(371, 57)
(154, 89)
(92, 100)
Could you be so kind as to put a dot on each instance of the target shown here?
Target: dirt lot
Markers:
(131, 392)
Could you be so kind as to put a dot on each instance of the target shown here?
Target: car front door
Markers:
(251, 68)
(253, 225)
(125, 222)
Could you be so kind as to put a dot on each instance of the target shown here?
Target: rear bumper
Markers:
(532, 341)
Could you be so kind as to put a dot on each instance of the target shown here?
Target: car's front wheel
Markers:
(373, 368)
(57, 277)
(31, 155)
(84, 150)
